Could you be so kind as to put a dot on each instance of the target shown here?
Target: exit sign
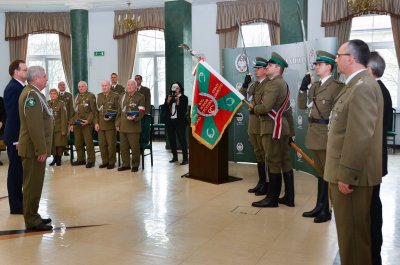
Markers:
(99, 53)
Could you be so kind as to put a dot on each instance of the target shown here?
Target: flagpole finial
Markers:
(187, 48)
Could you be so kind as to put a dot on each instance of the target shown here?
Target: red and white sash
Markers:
(277, 117)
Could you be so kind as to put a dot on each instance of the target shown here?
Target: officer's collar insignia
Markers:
(31, 102)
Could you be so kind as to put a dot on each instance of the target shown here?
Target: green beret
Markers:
(277, 59)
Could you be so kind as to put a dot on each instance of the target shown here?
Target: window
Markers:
(150, 63)
(376, 30)
(255, 34)
(44, 50)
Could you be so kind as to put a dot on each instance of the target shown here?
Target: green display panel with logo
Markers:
(234, 70)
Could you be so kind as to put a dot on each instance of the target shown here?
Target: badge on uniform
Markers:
(31, 102)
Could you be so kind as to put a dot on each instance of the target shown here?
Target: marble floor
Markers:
(156, 217)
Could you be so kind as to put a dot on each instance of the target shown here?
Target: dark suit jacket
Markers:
(2, 115)
(11, 95)
(181, 109)
(387, 123)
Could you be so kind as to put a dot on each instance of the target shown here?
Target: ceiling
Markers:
(92, 5)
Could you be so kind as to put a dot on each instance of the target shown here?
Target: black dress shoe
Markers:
(17, 212)
(46, 221)
(266, 203)
(90, 165)
(135, 169)
(184, 162)
(173, 160)
(103, 166)
(123, 168)
(111, 166)
(78, 163)
(41, 227)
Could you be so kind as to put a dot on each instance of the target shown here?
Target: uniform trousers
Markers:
(14, 179)
(84, 135)
(277, 155)
(256, 142)
(33, 185)
(319, 157)
(107, 143)
(130, 141)
(353, 224)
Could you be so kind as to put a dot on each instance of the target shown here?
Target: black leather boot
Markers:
(318, 206)
(288, 198)
(261, 178)
(174, 157)
(54, 161)
(263, 190)
(325, 213)
(58, 161)
(274, 188)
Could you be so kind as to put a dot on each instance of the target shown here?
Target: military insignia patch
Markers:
(31, 102)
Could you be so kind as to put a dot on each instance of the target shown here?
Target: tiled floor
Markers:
(156, 217)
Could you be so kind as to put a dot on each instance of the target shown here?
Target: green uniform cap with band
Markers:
(277, 59)
(261, 62)
(325, 57)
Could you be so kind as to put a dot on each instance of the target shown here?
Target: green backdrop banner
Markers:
(234, 70)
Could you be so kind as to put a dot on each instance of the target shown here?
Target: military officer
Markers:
(60, 126)
(82, 125)
(35, 140)
(320, 99)
(145, 91)
(354, 153)
(130, 112)
(115, 87)
(253, 95)
(275, 130)
(68, 100)
(107, 106)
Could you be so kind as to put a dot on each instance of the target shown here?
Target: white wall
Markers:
(101, 26)
(315, 30)
(5, 55)
(205, 40)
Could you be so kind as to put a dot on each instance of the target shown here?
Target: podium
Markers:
(209, 165)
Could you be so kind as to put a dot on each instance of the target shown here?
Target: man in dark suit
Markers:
(145, 91)
(18, 72)
(376, 68)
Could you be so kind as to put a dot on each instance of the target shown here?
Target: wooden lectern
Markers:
(209, 165)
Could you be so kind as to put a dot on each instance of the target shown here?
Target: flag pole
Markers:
(306, 157)
(244, 46)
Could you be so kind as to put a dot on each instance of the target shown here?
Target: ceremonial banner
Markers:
(215, 102)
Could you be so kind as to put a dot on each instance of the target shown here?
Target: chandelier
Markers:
(362, 6)
(129, 21)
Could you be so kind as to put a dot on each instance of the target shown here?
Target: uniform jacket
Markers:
(130, 103)
(60, 115)
(354, 148)
(68, 100)
(272, 97)
(255, 91)
(317, 134)
(118, 89)
(36, 132)
(107, 103)
(11, 95)
(145, 91)
(85, 108)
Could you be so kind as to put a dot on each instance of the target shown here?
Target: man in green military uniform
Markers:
(68, 100)
(354, 153)
(275, 129)
(253, 94)
(82, 125)
(107, 105)
(320, 100)
(145, 91)
(130, 112)
(35, 140)
(115, 87)
(60, 139)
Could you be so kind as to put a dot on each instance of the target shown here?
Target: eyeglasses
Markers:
(342, 54)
